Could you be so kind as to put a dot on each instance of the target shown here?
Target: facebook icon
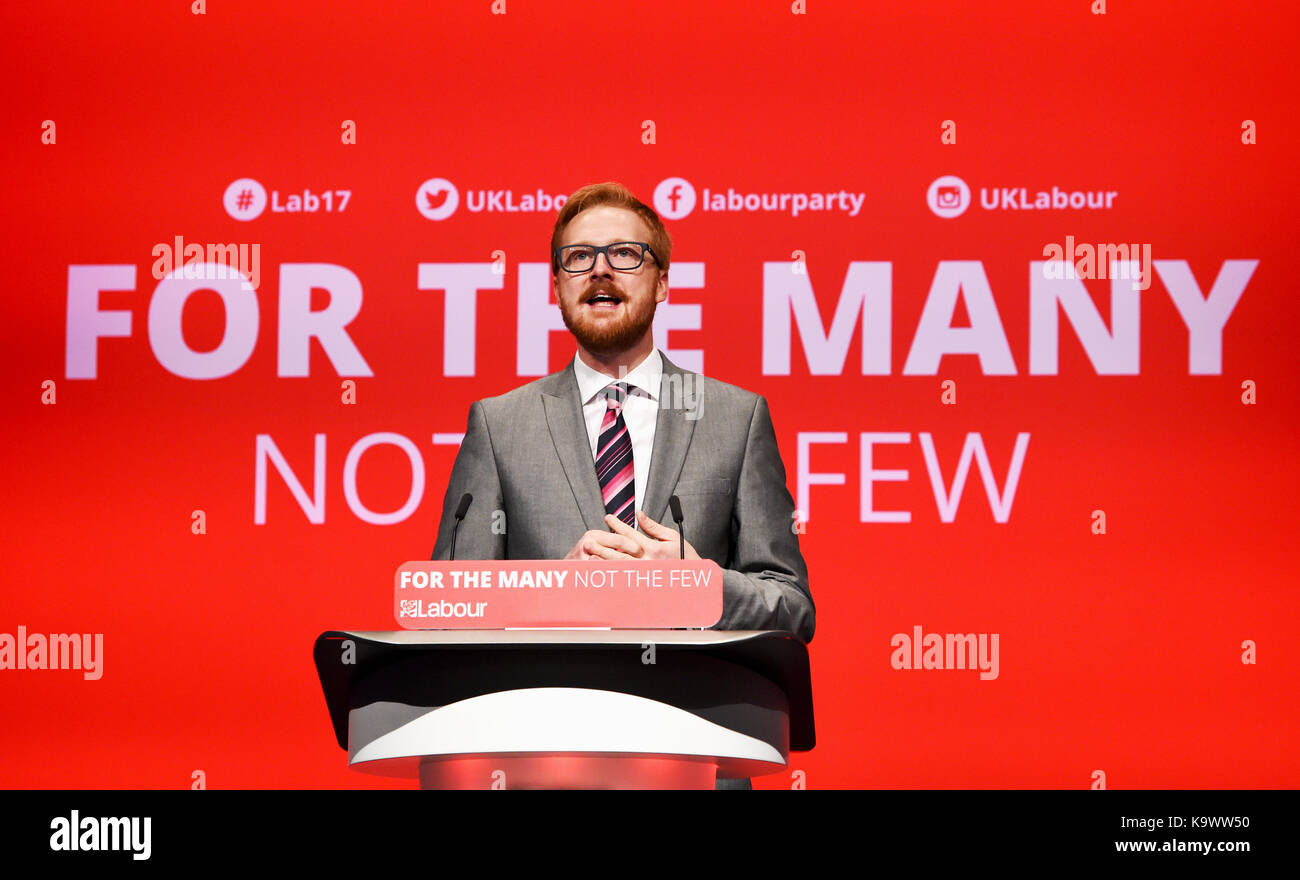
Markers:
(674, 198)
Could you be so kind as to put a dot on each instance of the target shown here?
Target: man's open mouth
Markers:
(603, 300)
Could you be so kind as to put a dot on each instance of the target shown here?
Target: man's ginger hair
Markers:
(614, 195)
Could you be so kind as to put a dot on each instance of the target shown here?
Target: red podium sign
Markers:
(496, 594)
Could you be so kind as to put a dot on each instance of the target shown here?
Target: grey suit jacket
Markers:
(527, 461)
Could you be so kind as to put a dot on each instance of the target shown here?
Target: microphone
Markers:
(676, 505)
(461, 510)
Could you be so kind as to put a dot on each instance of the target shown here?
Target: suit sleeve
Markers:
(482, 532)
(765, 584)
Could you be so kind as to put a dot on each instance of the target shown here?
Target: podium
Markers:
(522, 709)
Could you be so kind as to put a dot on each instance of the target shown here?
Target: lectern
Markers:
(568, 708)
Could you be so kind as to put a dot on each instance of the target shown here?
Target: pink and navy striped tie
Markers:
(614, 457)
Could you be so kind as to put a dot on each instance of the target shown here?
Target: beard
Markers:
(607, 335)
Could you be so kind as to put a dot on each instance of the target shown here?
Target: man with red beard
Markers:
(582, 463)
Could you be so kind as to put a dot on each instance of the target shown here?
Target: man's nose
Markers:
(596, 269)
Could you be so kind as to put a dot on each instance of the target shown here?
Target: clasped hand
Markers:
(625, 542)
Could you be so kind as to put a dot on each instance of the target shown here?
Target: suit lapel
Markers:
(569, 434)
(673, 430)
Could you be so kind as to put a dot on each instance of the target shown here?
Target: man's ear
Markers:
(555, 289)
(661, 287)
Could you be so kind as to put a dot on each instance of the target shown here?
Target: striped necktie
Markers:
(614, 457)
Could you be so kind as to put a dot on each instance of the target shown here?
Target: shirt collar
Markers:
(645, 376)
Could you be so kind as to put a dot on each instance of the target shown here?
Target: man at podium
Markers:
(581, 464)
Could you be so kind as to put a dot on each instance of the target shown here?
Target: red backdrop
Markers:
(1127, 652)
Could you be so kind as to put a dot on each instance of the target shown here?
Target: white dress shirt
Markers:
(640, 412)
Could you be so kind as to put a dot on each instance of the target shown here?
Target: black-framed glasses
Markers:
(621, 255)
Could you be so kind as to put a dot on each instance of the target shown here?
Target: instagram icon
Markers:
(948, 196)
